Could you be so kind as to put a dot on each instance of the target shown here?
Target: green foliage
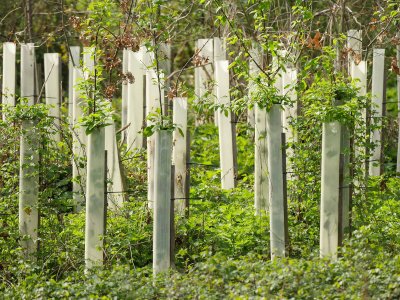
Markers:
(159, 122)
(54, 191)
(359, 273)
(221, 223)
(222, 248)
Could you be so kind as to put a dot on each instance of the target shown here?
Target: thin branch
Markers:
(10, 12)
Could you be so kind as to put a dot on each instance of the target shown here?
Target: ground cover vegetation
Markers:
(222, 247)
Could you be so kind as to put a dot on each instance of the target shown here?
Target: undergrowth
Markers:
(222, 247)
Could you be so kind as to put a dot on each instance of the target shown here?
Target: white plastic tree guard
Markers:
(29, 159)
(254, 60)
(346, 180)
(261, 181)
(8, 87)
(354, 46)
(378, 93)
(219, 53)
(164, 58)
(275, 171)
(164, 67)
(259, 116)
(224, 126)
(219, 49)
(359, 73)
(148, 57)
(52, 74)
(95, 198)
(289, 80)
(354, 55)
(124, 90)
(136, 99)
(74, 61)
(88, 62)
(329, 223)
(162, 202)
(179, 153)
(154, 96)
(116, 186)
(276, 193)
(79, 140)
(203, 75)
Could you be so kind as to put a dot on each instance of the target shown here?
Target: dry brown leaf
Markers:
(394, 66)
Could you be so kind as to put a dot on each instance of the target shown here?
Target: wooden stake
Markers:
(187, 179)
(398, 105)
(172, 219)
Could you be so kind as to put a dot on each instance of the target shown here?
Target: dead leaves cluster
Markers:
(127, 78)
(395, 67)
(199, 60)
(110, 90)
(128, 41)
(354, 55)
(315, 42)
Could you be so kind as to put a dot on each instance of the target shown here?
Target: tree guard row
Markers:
(96, 156)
